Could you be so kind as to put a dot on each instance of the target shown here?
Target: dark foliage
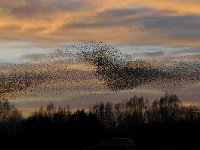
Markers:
(163, 122)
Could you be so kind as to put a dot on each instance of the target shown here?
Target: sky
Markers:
(147, 28)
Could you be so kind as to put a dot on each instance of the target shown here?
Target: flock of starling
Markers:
(93, 64)
(121, 72)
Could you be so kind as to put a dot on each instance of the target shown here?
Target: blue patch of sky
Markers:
(14, 55)
(12, 52)
(140, 49)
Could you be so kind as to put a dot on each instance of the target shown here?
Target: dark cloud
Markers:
(154, 54)
(173, 25)
(113, 13)
(71, 5)
(185, 26)
(32, 8)
(169, 22)
(112, 18)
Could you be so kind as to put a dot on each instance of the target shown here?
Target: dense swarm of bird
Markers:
(19, 79)
(86, 65)
(120, 72)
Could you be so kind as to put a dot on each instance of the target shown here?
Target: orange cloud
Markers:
(49, 22)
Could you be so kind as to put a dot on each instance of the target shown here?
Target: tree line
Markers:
(137, 118)
(137, 110)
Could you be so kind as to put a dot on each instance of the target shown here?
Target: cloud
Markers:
(29, 8)
(163, 26)
(182, 27)
(154, 54)
(125, 12)
(112, 18)
(186, 6)
(53, 21)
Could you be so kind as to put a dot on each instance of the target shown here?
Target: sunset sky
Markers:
(150, 28)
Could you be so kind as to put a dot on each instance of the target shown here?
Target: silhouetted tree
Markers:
(170, 108)
(137, 117)
(154, 113)
(8, 112)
